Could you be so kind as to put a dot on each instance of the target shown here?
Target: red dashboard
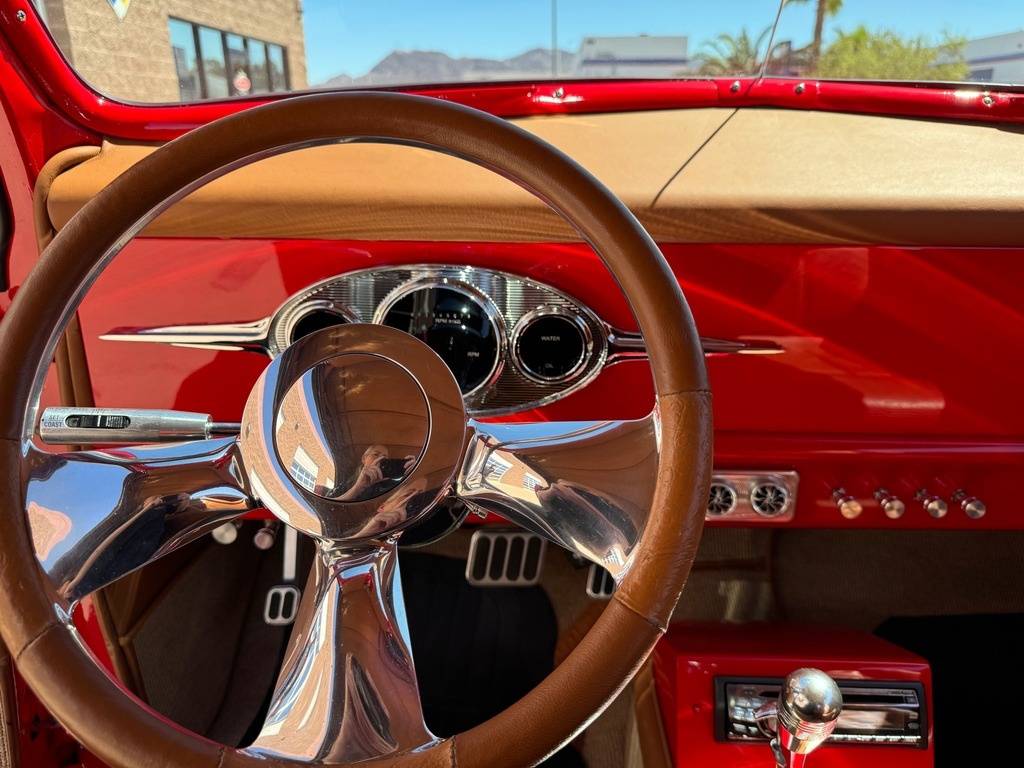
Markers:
(862, 393)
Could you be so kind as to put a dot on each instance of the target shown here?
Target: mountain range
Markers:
(404, 67)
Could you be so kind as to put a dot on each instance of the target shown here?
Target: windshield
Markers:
(191, 50)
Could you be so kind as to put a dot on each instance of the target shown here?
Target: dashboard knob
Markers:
(266, 536)
(972, 506)
(848, 506)
(932, 504)
(892, 506)
(226, 533)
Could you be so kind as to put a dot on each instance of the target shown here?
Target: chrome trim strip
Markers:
(365, 295)
(247, 337)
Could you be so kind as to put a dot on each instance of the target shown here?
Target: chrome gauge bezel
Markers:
(494, 317)
(365, 296)
(303, 310)
(550, 311)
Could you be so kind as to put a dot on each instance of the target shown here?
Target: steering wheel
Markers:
(628, 495)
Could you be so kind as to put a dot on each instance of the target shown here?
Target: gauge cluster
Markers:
(511, 343)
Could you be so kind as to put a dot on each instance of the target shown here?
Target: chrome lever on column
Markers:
(74, 426)
(803, 718)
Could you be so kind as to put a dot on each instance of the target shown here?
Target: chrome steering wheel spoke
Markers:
(96, 516)
(347, 689)
(586, 486)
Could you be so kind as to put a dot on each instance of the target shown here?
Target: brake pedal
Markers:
(282, 601)
(505, 558)
(600, 584)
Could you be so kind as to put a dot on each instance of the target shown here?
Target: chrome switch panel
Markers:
(753, 497)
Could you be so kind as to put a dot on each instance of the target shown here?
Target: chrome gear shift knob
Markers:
(806, 714)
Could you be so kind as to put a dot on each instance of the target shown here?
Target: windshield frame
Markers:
(43, 66)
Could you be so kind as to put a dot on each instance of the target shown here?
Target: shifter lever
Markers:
(804, 716)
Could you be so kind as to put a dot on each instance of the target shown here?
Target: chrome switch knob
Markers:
(972, 506)
(932, 504)
(892, 506)
(848, 506)
(806, 714)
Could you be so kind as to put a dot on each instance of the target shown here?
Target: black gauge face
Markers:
(314, 321)
(454, 325)
(551, 347)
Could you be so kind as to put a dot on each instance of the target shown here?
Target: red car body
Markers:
(866, 363)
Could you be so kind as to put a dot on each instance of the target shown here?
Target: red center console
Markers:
(713, 677)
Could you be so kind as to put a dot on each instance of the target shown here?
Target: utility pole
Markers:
(554, 38)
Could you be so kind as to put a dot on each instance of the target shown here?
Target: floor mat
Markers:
(477, 650)
(977, 676)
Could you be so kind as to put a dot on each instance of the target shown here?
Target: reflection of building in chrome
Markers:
(306, 452)
(341, 436)
(181, 50)
(996, 59)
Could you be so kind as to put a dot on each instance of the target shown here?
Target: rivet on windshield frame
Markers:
(21, 16)
(735, 86)
(799, 88)
(987, 100)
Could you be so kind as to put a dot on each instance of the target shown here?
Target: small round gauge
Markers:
(551, 346)
(455, 324)
(315, 319)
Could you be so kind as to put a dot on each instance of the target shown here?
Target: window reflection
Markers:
(186, 63)
(211, 47)
(214, 64)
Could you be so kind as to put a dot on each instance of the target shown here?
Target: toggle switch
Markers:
(848, 506)
(972, 506)
(932, 504)
(891, 505)
(266, 536)
(226, 533)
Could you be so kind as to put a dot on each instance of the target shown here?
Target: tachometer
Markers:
(455, 323)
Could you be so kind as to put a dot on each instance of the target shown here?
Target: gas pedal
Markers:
(282, 602)
(505, 558)
(600, 584)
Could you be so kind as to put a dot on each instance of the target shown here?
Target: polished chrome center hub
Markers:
(352, 428)
(353, 433)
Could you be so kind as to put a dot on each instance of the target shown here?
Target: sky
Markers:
(351, 36)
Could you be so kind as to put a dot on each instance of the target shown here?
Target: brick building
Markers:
(181, 50)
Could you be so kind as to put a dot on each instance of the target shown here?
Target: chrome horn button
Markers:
(353, 433)
(343, 435)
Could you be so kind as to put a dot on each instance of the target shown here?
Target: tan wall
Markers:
(131, 59)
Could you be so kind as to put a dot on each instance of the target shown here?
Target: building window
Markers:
(278, 70)
(303, 476)
(211, 52)
(183, 48)
(258, 71)
(214, 64)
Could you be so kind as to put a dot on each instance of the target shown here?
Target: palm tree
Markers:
(732, 55)
(824, 8)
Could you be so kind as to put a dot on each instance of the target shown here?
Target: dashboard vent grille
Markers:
(721, 499)
(769, 499)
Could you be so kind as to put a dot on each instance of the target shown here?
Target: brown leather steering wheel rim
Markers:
(126, 734)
